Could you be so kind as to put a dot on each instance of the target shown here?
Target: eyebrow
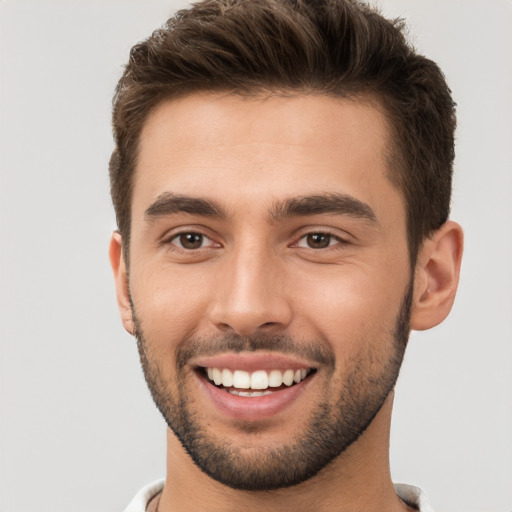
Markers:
(169, 203)
(338, 204)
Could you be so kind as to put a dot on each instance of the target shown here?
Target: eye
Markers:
(318, 240)
(191, 240)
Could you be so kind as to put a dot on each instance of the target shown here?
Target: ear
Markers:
(121, 281)
(437, 276)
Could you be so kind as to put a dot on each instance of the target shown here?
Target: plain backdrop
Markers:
(78, 429)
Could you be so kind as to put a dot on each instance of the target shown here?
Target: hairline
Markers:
(393, 156)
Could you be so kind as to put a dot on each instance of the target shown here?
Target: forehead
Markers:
(232, 148)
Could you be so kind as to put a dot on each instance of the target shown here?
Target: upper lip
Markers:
(251, 361)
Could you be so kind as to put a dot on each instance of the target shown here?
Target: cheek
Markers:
(351, 306)
(170, 305)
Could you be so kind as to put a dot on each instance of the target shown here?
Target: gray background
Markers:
(78, 430)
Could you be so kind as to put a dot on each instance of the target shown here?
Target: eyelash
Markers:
(177, 237)
(331, 238)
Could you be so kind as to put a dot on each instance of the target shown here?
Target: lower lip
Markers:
(253, 408)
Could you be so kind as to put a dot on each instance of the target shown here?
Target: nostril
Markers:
(224, 327)
(246, 319)
(247, 330)
(268, 325)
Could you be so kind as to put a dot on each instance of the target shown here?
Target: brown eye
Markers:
(190, 240)
(318, 240)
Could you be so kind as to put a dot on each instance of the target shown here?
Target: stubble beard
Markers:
(332, 426)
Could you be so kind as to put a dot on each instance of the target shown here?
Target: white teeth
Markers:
(259, 379)
(275, 379)
(241, 379)
(249, 393)
(227, 378)
(288, 377)
(217, 376)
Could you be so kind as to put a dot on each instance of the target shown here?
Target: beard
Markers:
(334, 425)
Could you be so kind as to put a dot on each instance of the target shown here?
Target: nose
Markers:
(251, 295)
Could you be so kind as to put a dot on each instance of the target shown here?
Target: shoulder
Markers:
(414, 497)
(144, 496)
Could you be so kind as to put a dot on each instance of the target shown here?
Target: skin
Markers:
(255, 273)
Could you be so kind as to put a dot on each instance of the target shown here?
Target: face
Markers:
(269, 279)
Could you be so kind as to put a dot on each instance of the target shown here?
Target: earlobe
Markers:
(437, 276)
(121, 281)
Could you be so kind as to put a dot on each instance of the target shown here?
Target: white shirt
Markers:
(413, 496)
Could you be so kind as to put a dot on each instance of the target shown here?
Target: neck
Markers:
(357, 480)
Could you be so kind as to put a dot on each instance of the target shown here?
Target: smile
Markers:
(252, 386)
(258, 382)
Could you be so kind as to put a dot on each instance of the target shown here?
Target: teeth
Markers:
(288, 377)
(217, 376)
(275, 379)
(241, 379)
(249, 393)
(227, 378)
(258, 380)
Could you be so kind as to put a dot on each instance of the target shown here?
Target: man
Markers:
(281, 180)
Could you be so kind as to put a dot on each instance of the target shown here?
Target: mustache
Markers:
(317, 351)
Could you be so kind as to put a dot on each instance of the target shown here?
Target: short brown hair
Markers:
(340, 48)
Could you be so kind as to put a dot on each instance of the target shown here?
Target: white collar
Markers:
(412, 495)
